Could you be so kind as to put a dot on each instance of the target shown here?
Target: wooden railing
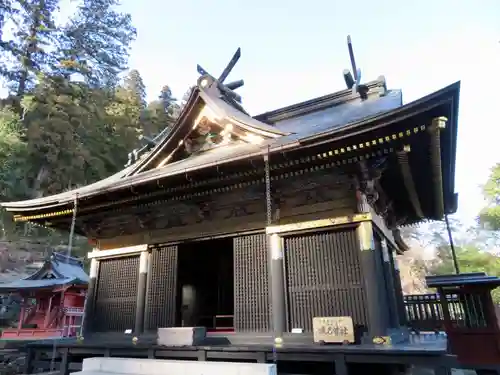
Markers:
(425, 313)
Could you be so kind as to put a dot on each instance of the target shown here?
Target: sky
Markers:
(293, 51)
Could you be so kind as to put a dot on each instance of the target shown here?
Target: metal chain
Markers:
(269, 212)
(68, 255)
(72, 230)
(269, 203)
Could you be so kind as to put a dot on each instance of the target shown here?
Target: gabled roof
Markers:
(342, 124)
(57, 270)
(205, 100)
(276, 130)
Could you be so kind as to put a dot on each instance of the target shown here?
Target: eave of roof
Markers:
(320, 103)
(349, 129)
(20, 285)
(435, 99)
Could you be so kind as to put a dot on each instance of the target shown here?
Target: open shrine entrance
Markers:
(205, 285)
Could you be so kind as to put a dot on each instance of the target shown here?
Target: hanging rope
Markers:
(452, 246)
(61, 304)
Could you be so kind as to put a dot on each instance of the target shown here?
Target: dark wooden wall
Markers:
(318, 195)
(301, 198)
(398, 289)
(323, 278)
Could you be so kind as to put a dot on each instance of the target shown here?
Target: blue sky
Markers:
(293, 51)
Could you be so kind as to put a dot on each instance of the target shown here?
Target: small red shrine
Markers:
(53, 299)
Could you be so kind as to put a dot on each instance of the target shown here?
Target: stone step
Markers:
(136, 366)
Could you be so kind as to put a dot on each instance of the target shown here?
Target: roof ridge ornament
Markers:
(354, 83)
(227, 90)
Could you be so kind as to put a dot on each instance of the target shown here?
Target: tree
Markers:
(489, 217)
(170, 105)
(96, 41)
(134, 85)
(12, 151)
(156, 119)
(35, 32)
(12, 154)
(470, 259)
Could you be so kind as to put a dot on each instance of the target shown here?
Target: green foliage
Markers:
(29, 49)
(12, 152)
(68, 120)
(489, 216)
(470, 259)
(95, 42)
(474, 245)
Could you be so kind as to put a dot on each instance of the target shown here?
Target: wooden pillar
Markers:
(373, 276)
(28, 361)
(141, 292)
(394, 321)
(48, 313)
(65, 360)
(88, 314)
(22, 314)
(403, 321)
(277, 278)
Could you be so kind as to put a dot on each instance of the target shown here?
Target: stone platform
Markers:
(135, 366)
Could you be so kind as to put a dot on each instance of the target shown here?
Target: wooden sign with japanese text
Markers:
(333, 329)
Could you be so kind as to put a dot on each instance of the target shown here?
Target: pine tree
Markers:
(167, 99)
(96, 41)
(490, 215)
(134, 85)
(32, 40)
(156, 119)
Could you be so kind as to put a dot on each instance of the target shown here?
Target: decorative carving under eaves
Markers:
(222, 206)
(298, 184)
(89, 229)
(203, 211)
(312, 189)
(238, 211)
(368, 183)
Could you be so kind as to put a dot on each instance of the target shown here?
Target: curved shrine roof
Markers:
(338, 116)
(57, 270)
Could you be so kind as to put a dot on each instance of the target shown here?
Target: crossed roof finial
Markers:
(227, 88)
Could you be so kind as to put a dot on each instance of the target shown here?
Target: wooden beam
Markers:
(408, 181)
(130, 250)
(438, 124)
(316, 224)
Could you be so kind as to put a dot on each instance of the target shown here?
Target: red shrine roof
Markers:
(58, 270)
(213, 131)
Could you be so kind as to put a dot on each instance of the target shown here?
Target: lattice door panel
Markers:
(162, 289)
(116, 294)
(251, 283)
(324, 277)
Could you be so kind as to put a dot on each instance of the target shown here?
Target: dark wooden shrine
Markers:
(282, 217)
(471, 325)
